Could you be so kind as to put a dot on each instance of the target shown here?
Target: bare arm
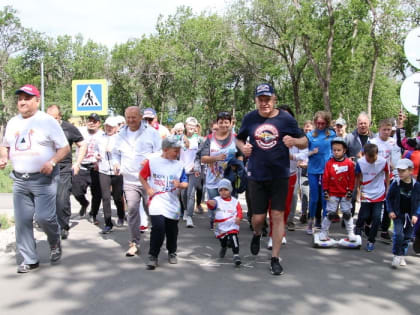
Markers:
(4, 155)
(80, 156)
(300, 143)
(47, 168)
(149, 190)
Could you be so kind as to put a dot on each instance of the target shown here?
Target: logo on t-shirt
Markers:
(266, 136)
(23, 141)
(340, 169)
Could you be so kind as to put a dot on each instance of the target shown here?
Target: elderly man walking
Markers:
(34, 142)
(136, 142)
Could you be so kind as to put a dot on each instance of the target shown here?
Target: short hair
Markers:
(385, 122)
(364, 115)
(224, 116)
(55, 106)
(287, 108)
(370, 149)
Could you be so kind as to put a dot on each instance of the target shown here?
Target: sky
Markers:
(105, 21)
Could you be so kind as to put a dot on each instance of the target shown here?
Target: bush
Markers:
(6, 182)
(5, 221)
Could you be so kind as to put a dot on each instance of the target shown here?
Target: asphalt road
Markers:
(95, 277)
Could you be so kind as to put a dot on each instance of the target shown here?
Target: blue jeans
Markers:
(315, 189)
(403, 230)
(212, 192)
(373, 211)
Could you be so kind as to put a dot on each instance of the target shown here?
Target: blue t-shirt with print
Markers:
(270, 157)
(316, 162)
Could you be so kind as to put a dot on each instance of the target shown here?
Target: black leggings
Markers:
(162, 227)
(230, 240)
(116, 182)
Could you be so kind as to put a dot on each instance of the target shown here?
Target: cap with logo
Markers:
(28, 89)
(341, 122)
(149, 113)
(264, 89)
(94, 116)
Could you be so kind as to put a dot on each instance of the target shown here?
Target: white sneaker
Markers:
(284, 241)
(184, 218)
(403, 263)
(190, 223)
(270, 243)
(323, 236)
(396, 261)
(352, 237)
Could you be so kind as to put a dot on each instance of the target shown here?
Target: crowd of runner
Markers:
(157, 177)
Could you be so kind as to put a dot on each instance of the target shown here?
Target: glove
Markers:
(326, 195)
(349, 194)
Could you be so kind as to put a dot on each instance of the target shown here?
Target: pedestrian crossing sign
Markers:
(90, 96)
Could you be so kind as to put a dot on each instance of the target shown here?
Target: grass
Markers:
(5, 221)
(5, 181)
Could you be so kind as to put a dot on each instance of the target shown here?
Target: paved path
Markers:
(95, 277)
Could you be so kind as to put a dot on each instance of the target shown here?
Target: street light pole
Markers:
(42, 85)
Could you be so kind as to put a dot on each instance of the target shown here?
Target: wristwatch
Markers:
(53, 163)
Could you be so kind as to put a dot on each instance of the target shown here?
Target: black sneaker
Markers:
(416, 245)
(107, 229)
(56, 251)
(83, 209)
(255, 244)
(64, 234)
(386, 238)
(25, 268)
(303, 219)
(152, 262)
(222, 252)
(236, 260)
(275, 268)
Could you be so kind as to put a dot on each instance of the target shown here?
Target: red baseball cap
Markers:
(28, 89)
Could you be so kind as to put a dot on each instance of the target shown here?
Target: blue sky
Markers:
(105, 21)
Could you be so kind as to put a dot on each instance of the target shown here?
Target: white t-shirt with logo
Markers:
(187, 155)
(373, 179)
(90, 140)
(33, 141)
(160, 174)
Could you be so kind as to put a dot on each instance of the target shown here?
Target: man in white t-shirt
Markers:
(34, 142)
(136, 142)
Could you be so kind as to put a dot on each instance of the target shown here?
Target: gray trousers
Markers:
(188, 195)
(35, 198)
(134, 194)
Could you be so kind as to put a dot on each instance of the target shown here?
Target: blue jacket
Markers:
(393, 198)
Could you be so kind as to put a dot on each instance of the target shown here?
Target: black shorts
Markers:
(261, 192)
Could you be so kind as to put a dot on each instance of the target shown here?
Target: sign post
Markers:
(89, 96)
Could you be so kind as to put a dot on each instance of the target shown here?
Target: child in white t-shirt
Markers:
(162, 177)
(228, 215)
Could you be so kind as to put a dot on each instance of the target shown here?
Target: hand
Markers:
(289, 141)
(47, 168)
(197, 174)
(349, 194)
(247, 149)
(98, 157)
(176, 183)
(117, 169)
(76, 168)
(314, 151)
(237, 220)
(150, 192)
(326, 195)
(3, 163)
(392, 215)
(220, 157)
(414, 219)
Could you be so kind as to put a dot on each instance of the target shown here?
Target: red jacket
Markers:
(339, 177)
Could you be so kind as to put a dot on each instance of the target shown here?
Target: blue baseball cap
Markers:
(264, 89)
(149, 113)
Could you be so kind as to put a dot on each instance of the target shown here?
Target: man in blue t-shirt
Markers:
(265, 137)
